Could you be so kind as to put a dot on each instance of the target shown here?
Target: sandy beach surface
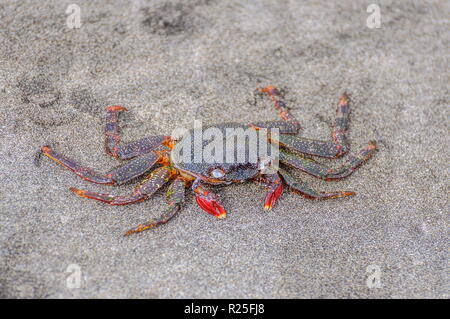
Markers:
(170, 62)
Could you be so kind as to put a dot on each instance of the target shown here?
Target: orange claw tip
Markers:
(211, 207)
(268, 205)
(273, 197)
(116, 108)
(217, 211)
(222, 215)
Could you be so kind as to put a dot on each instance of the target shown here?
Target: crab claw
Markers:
(211, 206)
(272, 197)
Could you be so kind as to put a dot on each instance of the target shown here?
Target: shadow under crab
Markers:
(159, 151)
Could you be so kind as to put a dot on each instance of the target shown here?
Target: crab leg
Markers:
(84, 172)
(315, 169)
(128, 150)
(154, 181)
(207, 200)
(303, 188)
(275, 95)
(274, 184)
(336, 148)
(175, 198)
(141, 146)
(112, 130)
(283, 126)
(308, 146)
(290, 124)
(120, 175)
(341, 123)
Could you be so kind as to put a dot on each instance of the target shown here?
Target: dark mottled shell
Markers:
(201, 166)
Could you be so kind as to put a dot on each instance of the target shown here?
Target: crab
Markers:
(155, 159)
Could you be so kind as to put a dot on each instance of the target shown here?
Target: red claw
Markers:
(211, 206)
(272, 197)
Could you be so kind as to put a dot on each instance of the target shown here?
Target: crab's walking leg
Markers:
(275, 95)
(175, 198)
(84, 172)
(142, 146)
(120, 175)
(131, 149)
(305, 190)
(138, 165)
(274, 186)
(290, 125)
(154, 181)
(341, 124)
(283, 126)
(315, 169)
(112, 130)
(207, 200)
(336, 148)
(308, 146)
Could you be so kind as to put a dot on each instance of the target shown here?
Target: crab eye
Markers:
(217, 173)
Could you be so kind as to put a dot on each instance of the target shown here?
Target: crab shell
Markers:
(193, 158)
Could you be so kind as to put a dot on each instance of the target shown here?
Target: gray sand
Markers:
(170, 63)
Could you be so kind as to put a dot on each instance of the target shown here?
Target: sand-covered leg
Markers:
(154, 181)
(338, 134)
(332, 149)
(275, 95)
(207, 200)
(274, 186)
(283, 126)
(82, 171)
(290, 125)
(138, 166)
(304, 189)
(130, 170)
(112, 129)
(318, 170)
(308, 146)
(175, 198)
(131, 149)
(142, 146)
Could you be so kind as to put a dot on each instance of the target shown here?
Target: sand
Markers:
(172, 62)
